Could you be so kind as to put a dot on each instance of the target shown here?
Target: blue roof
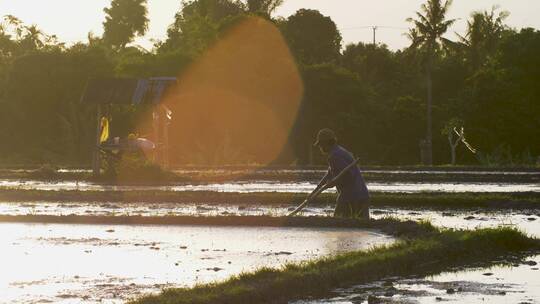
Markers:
(127, 90)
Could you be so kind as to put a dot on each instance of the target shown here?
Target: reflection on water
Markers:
(313, 171)
(285, 187)
(513, 283)
(102, 263)
(517, 283)
(526, 221)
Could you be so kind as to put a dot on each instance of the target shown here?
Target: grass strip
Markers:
(314, 279)
(49, 173)
(528, 200)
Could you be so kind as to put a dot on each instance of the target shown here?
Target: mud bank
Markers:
(388, 226)
(525, 220)
(371, 174)
(433, 200)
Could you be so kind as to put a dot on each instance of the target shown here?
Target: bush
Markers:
(133, 168)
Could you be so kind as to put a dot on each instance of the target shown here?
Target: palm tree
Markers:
(33, 38)
(484, 32)
(427, 35)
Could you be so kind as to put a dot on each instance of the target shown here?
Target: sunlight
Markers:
(239, 100)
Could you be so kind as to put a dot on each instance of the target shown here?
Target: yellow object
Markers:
(104, 130)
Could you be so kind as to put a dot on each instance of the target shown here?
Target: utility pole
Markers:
(374, 35)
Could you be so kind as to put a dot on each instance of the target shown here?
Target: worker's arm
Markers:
(326, 178)
(322, 183)
(337, 164)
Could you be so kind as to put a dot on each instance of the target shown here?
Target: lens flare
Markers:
(237, 103)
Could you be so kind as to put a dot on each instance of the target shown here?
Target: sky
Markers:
(71, 20)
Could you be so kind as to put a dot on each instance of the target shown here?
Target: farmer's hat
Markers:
(325, 135)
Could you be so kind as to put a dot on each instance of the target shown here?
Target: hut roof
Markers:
(127, 90)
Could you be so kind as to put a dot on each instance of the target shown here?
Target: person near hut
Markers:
(353, 196)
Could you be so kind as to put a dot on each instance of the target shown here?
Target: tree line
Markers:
(385, 105)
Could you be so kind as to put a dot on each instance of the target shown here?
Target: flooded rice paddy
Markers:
(314, 170)
(108, 264)
(506, 282)
(276, 186)
(503, 284)
(61, 263)
(526, 220)
(321, 171)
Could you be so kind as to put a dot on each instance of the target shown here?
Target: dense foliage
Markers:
(374, 97)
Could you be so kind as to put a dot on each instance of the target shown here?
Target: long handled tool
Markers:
(319, 190)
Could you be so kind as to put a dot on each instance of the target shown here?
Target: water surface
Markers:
(513, 283)
(275, 186)
(526, 220)
(57, 263)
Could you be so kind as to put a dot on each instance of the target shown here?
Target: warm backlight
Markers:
(237, 103)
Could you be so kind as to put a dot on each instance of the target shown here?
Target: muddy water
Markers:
(70, 264)
(109, 264)
(270, 186)
(316, 171)
(513, 283)
(509, 283)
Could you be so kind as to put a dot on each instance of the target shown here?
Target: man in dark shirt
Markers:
(353, 196)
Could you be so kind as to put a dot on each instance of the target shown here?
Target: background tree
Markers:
(43, 89)
(198, 23)
(327, 88)
(372, 96)
(503, 97)
(17, 38)
(484, 33)
(263, 6)
(454, 130)
(429, 27)
(312, 37)
(6, 43)
(124, 20)
(374, 64)
(393, 78)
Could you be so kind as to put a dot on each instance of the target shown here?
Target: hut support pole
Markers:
(156, 155)
(96, 161)
(165, 132)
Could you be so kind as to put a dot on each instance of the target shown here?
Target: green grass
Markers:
(431, 253)
(143, 172)
(416, 200)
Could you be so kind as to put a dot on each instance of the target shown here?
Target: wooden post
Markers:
(96, 162)
(155, 128)
(165, 143)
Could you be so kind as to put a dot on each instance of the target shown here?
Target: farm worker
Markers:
(145, 144)
(353, 196)
(140, 142)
